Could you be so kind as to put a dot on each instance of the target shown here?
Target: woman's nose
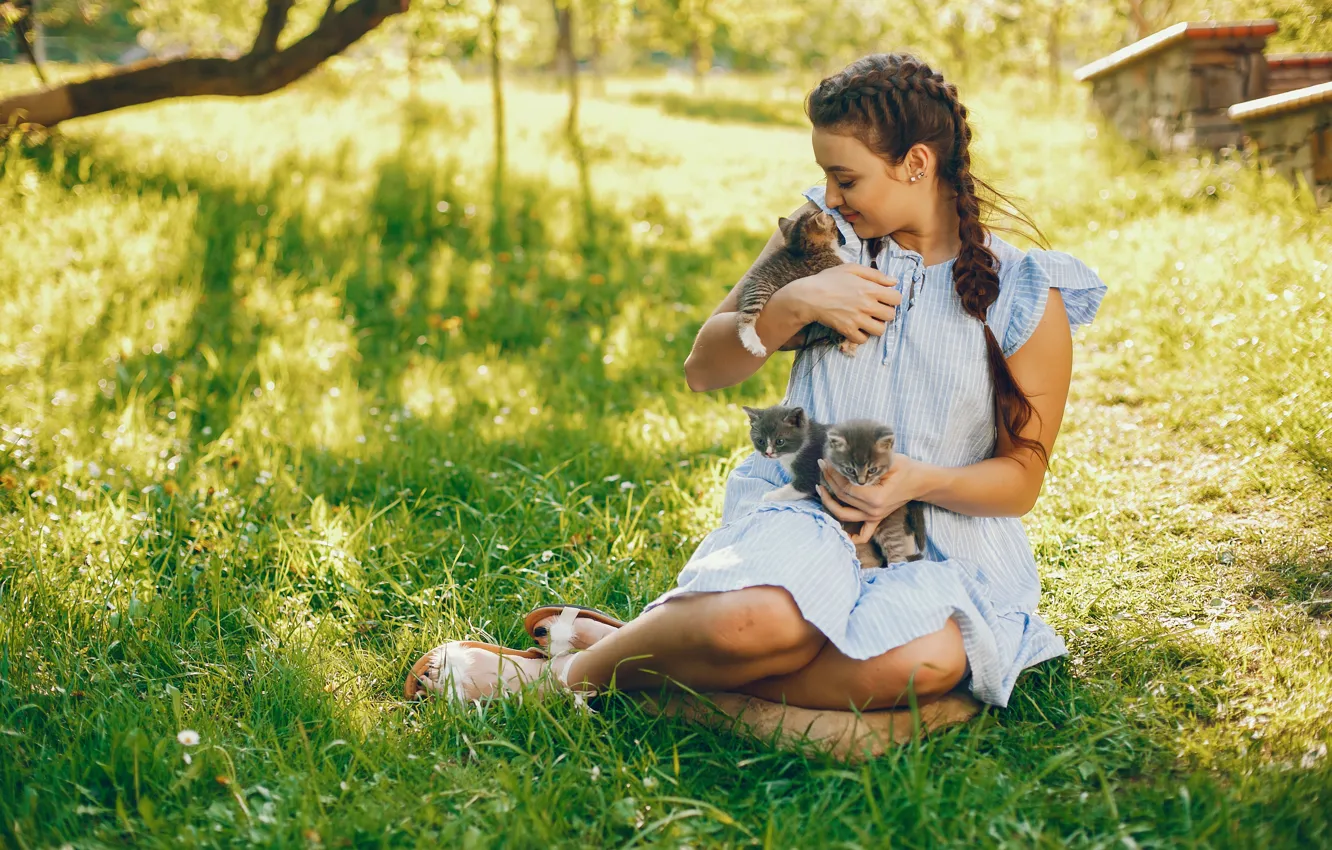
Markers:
(832, 196)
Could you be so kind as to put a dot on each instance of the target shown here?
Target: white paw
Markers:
(787, 493)
(749, 338)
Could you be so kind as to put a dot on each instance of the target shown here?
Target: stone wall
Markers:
(1176, 98)
(1148, 100)
(1298, 144)
(1285, 75)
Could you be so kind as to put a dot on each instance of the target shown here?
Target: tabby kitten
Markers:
(861, 450)
(810, 247)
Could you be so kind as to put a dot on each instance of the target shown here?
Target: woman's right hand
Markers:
(854, 300)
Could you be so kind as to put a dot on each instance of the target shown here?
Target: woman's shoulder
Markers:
(1025, 280)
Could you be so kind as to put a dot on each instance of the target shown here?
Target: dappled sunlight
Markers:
(281, 412)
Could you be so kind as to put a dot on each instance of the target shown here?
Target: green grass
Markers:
(276, 418)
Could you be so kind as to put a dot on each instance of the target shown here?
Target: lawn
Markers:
(284, 405)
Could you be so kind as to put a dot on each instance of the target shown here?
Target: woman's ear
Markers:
(920, 158)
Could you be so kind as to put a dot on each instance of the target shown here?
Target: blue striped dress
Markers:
(928, 376)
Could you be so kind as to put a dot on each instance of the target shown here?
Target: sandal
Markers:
(454, 668)
(567, 614)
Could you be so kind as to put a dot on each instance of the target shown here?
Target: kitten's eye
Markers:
(873, 470)
(781, 444)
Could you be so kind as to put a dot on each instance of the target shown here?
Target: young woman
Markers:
(967, 353)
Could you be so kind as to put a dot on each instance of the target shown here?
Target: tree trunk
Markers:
(1053, 44)
(566, 63)
(957, 43)
(696, 62)
(498, 237)
(38, 37)
(594, 61)
(258, 72)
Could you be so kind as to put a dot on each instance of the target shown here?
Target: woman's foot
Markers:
(580, 627)
(468, 670)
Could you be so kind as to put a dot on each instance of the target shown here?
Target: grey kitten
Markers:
(811, 246)
(861, 450)
(789, 436)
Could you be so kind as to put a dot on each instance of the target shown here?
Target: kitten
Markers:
(861, 450)
(789, 436)
(811, 246)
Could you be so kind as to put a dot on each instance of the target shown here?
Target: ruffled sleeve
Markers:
(1023, 297)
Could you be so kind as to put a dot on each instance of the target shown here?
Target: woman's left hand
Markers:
(869, 504)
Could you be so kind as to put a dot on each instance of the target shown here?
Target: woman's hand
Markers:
(854, 300)
(869, 504)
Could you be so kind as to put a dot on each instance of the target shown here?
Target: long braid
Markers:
(894, 101)
(976, 280)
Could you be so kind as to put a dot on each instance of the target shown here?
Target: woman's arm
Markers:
(1009, 483)
(854, 300)
(1004, 485)
(718, 358)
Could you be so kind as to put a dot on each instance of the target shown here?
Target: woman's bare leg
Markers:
(931, 665)
(703, 641)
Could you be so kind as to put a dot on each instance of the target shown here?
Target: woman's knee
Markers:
(928, 667)
(754, 623)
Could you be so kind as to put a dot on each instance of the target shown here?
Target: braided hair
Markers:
(891, 102)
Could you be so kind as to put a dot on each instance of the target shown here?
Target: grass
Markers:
(276, 417)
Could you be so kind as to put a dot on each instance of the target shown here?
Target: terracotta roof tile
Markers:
(1298, 60)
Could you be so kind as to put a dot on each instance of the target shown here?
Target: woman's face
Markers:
(869, 193)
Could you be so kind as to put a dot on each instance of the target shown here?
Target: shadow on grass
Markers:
(725, 110)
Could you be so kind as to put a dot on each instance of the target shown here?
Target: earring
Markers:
(918, 175)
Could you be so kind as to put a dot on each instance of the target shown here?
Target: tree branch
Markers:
(275, 20)
(22, 27)
(250, 75)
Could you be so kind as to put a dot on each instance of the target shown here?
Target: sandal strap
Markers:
(560, 647)
(562, 632)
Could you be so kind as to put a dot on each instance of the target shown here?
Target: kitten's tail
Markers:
(749, 338)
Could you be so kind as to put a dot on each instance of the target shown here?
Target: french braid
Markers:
(892, 101)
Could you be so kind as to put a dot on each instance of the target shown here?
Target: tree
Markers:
(263, 69)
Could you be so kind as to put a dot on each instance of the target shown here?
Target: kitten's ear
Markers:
(885, 438)
(837, 442)
(785, 225)
(797, 418)
(752, 412)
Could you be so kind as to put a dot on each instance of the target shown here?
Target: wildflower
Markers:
(170, 488)
(8, 482)
(233, 462)
(504, 256)
(188, 737)
(452, 324)
(596, 279)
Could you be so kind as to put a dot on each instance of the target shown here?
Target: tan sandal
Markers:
(452, 668)
(567, 614)
(455, 667)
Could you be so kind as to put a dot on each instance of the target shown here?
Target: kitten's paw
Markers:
(787, 493)
(749, 338)
(848, 347)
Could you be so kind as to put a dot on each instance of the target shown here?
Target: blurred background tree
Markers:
(970, 40)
